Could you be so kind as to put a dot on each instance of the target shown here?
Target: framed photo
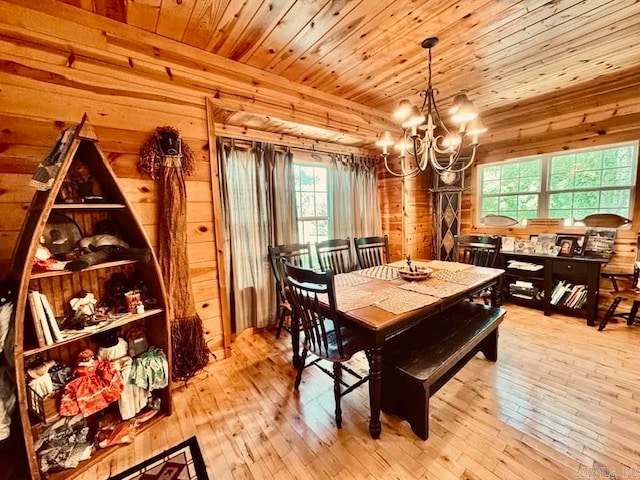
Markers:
(599, 242)
(580, 242)
(508, 244)
(545, 243)
(567, 245)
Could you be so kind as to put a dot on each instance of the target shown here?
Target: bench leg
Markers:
(489, 346)
(375, 386)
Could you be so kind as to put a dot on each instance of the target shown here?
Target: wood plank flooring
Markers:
(563, 401)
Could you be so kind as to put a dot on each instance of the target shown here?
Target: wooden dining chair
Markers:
(297, 254)
(478, 250)
(335, 255)
(372, 251)
(324, 336)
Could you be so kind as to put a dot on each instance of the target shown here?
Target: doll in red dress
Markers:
(95, 385)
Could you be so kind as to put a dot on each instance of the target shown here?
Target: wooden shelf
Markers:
(56, 273)
(87, 206)
(100, 454)
(133, 317)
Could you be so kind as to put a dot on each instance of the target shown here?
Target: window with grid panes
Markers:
(312, 199)
(569, 185)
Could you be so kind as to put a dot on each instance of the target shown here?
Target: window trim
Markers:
(545, 192)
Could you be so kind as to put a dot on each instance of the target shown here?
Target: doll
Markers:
(95, 385)
(40, 379)
(115, 350)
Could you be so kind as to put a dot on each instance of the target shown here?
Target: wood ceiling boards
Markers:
(369, 51)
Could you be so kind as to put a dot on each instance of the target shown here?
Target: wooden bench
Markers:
(420, 361)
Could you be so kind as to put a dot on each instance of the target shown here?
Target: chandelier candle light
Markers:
(426, 138)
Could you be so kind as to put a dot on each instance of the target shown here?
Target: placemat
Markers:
(460, 276)
(399, 301)
(450, 266)
(434, 287)
(349, 298)
(349, 280)
(381, 272)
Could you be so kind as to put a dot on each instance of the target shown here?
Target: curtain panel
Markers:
(259, 209)
(356, 203)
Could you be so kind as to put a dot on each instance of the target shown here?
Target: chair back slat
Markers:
(477, 250)
(372, 251)
(320, 323)
(296, 253)
(335, 255)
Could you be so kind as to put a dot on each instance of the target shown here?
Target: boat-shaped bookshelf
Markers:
(61, 285)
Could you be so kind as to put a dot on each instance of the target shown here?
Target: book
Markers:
(42, 318)
(37, 325)
(51, 318)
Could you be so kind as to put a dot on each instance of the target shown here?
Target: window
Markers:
(312, 199)
(569, 185)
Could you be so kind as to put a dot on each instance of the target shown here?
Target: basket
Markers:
(421, 274)
(45, 408)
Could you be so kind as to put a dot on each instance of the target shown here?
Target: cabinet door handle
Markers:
(568, 267)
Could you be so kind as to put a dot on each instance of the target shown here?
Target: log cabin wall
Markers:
(58, 62)
(599, 112)
(406, 209)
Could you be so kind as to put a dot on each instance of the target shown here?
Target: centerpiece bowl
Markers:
(415, 274)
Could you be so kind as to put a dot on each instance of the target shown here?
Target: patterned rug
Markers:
(182, 462)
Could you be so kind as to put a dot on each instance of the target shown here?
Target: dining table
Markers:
(381, 304)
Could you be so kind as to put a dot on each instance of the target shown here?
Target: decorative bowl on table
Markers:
(414, 273)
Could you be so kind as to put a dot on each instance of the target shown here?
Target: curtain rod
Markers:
(285, 148)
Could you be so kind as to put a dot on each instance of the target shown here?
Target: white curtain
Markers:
(356, 205)
(284, 225)
(245, 199)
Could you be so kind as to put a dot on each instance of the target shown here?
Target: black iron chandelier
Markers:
(425, 137)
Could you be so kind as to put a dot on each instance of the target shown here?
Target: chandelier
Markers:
(425, 138)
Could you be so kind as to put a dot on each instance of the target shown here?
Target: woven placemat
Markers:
(397, 301)
(434, 287)
(381, 272)
(349, 298)
(460, 276)
(450, 266)
(349, 279)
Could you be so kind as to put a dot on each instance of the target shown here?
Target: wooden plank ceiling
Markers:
(369, 51)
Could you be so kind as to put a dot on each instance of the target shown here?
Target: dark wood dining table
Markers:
(380, 325)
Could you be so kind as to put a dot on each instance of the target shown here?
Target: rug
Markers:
(182, 462)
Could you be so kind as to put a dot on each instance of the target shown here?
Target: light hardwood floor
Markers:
(563, 401)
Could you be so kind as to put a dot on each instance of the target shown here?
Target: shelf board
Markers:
(133, 317)
(537, 303)
(88, 206)
(102, 453)
(56, 273)
(523, 277)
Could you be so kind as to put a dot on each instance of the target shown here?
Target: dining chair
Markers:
(324, 336)
(297, 254)
(479, 250)
(335, 255)
(372, 251)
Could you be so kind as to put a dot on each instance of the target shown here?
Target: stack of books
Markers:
(527, 290)
(44, 321)
(569, 295)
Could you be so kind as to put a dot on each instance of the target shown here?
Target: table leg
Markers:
(496, 292)
(375, 391)
(295, 340)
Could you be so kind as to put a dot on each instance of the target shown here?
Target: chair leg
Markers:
(610, 311)
(303, 359)
(337, 378)
(281, 316)
(633, 312)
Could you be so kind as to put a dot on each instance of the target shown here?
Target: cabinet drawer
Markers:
(569, 267)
